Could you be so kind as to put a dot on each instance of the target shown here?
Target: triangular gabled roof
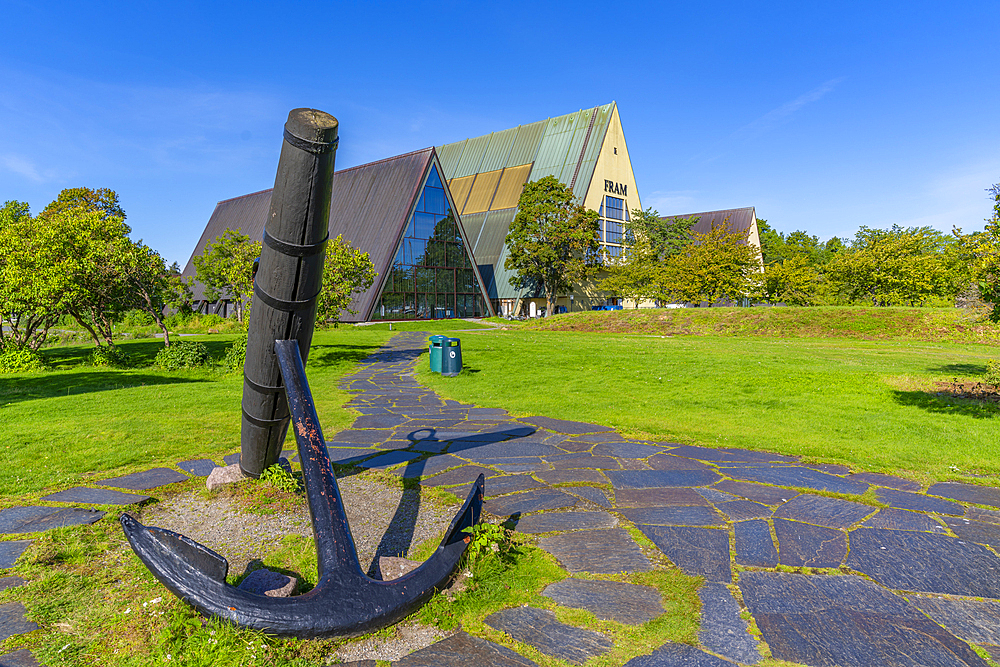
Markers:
(736, 219)
(486, 175)
(370, 208)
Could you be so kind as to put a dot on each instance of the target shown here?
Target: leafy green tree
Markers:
(552, 240)
(102, 200)
(792, 281)
(639, 273)
(31, 289)
(980, 253)
(896, 266)
(346, 272)
(718, 265)
(226, 268)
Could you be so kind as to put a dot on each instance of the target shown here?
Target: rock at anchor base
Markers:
(223, 475)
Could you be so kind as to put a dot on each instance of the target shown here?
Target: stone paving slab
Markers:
(754, 546)
(902, 520)
(599, 551)
(378, 421)
(575, 446)
(457, 476)
(464, 650)
(696, 551)
(145, 480)
(563, 426)
(975, 531)
(670, 462)
(659, 497)
(571, 476)
(477, 451)
(678, 655)
(797, 476)
(906, 500)
(768, 495)
(729, 454)
(740, 510)
(350, 455)
(35, 519)
(365, 437)
(533, 501)
(976, 621)
(715, 496)
(890, 481)
(722, 629)
(550, 522)
(12, 620)
(832, 468)
(198, 467)
(10, 582)
(980, 514)
(644, 479)
(539, 628)
(629, 604)
(568, 461)
(231, 459)
(20, 658)
(914, 561)
(806, 545)
(431, 466)
(82, 494)
(593, 494)
(846, 621)
(390, 459)
(823, 511)
(626, 450)
(674, 516)
(970, 493)
(499, 486)
(11, 550)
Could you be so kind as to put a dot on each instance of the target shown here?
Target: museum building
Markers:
(435, 221)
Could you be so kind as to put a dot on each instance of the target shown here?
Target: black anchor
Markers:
(345, 602)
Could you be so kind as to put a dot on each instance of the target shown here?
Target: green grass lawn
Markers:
(862, 403)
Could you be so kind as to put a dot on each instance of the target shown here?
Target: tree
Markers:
(639, 274)
(980, 252)
(226, 267)
(102, 200)
(896, 266)
(31, 289)
(720, 264)
(552, 240)
(346, 272)
(792, 281)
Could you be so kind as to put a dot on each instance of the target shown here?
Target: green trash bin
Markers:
(451, 357)
(437, 344)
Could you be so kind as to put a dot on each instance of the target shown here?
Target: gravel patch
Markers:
(372, 506)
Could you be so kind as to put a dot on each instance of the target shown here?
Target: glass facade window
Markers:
(612, 231)
(614, 208)
(432, 276)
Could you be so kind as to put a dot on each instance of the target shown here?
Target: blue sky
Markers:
(824, 116)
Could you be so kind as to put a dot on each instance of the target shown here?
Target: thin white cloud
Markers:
(22, 167)
(776, 116)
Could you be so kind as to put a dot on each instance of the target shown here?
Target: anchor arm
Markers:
(344, 602)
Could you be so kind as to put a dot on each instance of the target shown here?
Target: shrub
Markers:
(992, 373)
(279, 478)
(136, 318)
(182, 354)
(110, 356)
(236, 355)
(22, 360)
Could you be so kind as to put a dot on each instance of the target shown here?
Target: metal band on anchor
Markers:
(314, 147)
(293, 249)
(281, 304)
(263, 423)
(262, 388)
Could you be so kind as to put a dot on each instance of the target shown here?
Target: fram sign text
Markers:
(615, 188)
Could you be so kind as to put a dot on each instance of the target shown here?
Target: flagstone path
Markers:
(917, 582)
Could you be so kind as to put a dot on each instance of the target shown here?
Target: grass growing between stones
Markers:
(827, 399)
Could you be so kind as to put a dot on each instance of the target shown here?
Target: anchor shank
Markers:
(334, 543)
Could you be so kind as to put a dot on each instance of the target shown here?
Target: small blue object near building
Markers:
(605, 307)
